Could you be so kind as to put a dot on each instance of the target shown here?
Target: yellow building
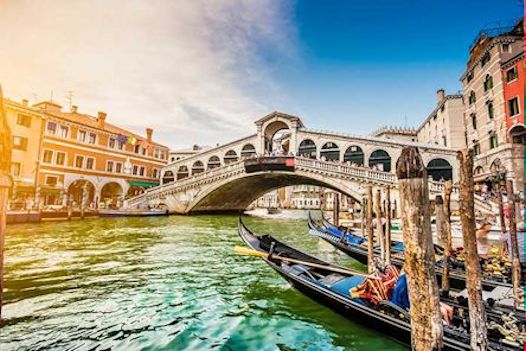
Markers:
(26, 124)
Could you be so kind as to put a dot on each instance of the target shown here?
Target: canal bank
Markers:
(168, 283)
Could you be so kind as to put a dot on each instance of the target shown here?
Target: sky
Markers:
(201, 72)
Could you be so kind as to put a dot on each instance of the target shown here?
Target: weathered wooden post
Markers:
(515, 263)
(426, 322)
(336, 210)
(69, 204)
(448, 246)
(83, 200)
(388, 226)
(370, 234)
(440, 219)
(379, 225)
(477, 312)
(502, 219)
(5, 184)
(363, 207)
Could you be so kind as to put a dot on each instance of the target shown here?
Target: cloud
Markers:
(189, 69)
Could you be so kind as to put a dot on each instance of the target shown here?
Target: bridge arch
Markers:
(438, 169)
(230, 156)
(354, 154)
(238, 192)
(213, 162)
(182, 172)
(198, 167)
(330, 151)
(167, 177)
(381, 160)
(248, 151)
(307, 149)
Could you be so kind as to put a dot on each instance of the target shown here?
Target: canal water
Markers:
(168, 283)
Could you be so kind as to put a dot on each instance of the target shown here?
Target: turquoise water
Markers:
(168, 283)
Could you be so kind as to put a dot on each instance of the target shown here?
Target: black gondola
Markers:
(332, 289)
(345, 242)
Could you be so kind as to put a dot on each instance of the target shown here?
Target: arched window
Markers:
(439, 169)
(168, 177)
(307, 149)
(330, 151)
(182, 172)
(213, 162)
(478, 170)
(248, 151)
(230, 157)
(488, 82)
(491, 114)
(198, 167)
(472, 98)
(380, 160)
(354, 154)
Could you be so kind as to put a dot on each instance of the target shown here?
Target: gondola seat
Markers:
(344, 286)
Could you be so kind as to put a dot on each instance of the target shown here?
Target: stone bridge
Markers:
(230, 177)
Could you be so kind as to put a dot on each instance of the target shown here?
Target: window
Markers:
(19, 143)
(60, 158)
(474, 120)
(15, 169)
(135, 170)
(81, 136)
(476, 148)
(491, 114)
(23, 120)
(90, 163)
(92, 138)
(109, 166)
(488, 82)
(63, 131)
(155, 173)
(48, 156)
(493, 140)
(472, 98)
(51, 128)
(112, 143)
(79, 161)
(141, 171)
(485, 59)
(506, 48)
(118, 167)
(511, 74)
(470, 76)
(513, 106)
(51, 180)
(120, 145)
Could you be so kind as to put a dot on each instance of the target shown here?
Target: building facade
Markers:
(26, 124)
(485, 115)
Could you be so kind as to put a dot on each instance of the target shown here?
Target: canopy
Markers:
(142, 184)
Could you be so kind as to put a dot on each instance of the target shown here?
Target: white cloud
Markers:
(188, 69)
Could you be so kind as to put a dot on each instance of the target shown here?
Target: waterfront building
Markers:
(485, 116)
(402, 134)
(92, 160)
(445, 124)
(305, 197)
(26, 124)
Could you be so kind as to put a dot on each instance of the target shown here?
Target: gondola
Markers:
(341, 241)
(332, 289)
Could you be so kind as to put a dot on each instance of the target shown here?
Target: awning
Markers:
(142, 184)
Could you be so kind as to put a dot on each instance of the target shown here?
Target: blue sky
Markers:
(201, 72)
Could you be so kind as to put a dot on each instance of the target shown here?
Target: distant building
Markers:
(180, 154)
(404, 134)
(484, 92)
(445, 124)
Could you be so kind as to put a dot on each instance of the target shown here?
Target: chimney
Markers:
(74, 108)
(24, 102)
(441, 95)
(149, 133)
(101, 118)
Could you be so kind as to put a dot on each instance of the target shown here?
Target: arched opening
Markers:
(182, 172)
(111, 195)
(380, 160)
(518, 134)
(354, 155)
(307, 149)
(496, 166)
(330, 152)
(213, 162)
(439, 169)
(230, 157)
(82, 190)
(248, 151)
(168, 177)
(277, 137)
(478, 171)
(198, 167)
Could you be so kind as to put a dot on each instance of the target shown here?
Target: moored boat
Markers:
(317, 279)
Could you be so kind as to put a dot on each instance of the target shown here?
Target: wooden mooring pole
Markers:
(448, 245)
(502, 220)
(426, 321)
(477, 312)
(388, 226)
(336, 210)
(515, 263)
(379, 224)
(370, 234)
